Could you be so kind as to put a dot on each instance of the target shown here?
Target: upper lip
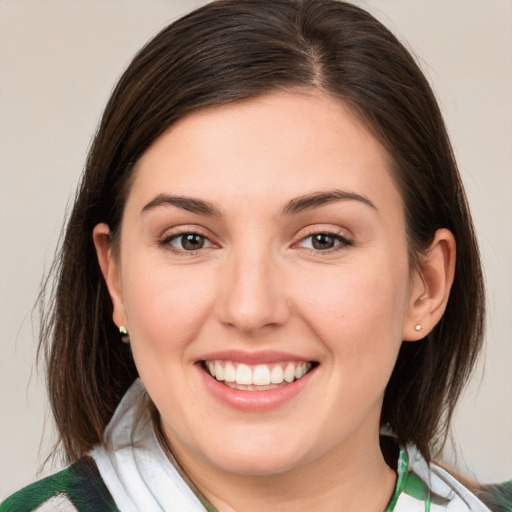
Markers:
(252, 358)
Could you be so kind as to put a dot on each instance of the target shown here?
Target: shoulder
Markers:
(78, 488)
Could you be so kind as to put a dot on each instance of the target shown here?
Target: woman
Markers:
(272, 234)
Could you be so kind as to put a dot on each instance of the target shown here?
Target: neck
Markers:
(338, 481)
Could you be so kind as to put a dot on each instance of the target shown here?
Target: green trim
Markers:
(415, 487)
(428, 502)
(402, 470)
(209, 507)
(81, 483)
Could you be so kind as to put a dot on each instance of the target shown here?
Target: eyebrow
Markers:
(185, 203)
(315, 200)
(294, 206)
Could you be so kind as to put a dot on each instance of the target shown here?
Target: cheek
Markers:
(165, 307)
(359, 311)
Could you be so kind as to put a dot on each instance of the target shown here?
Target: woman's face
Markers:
(264, 241)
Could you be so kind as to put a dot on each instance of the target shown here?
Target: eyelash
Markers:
(166, 242)
(343, 242)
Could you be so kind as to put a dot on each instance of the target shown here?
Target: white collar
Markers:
(140, 476)
(133, 465)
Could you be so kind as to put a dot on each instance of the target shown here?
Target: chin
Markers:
(260, 465)
(256, 459)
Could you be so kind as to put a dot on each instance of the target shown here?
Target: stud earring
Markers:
(125, 338)
(418, 327)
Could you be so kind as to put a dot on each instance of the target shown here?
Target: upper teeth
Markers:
(260, 374)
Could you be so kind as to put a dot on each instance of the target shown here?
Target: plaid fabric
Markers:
(80, 483)
(83, 486)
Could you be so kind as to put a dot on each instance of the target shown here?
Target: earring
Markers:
(418, 327)
(125, 338)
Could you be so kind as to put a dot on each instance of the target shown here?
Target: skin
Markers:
(259, 284)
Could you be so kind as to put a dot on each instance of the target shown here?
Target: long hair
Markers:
(231, 50)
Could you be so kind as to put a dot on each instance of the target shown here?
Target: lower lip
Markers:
(254, 401)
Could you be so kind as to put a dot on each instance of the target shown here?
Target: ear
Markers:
(111, 271)
(431, 287)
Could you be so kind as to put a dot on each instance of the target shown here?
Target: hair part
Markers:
(229, 51)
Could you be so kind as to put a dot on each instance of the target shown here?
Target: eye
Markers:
(324, 241)
(187, 242)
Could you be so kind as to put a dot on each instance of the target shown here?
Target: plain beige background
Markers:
(58, 63)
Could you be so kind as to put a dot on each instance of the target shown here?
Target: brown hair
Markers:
(230, 50)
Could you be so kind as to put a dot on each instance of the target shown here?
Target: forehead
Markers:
(273, 147)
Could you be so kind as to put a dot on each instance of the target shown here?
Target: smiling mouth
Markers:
(259, 377)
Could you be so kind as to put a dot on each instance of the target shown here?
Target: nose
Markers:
(253, 299)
